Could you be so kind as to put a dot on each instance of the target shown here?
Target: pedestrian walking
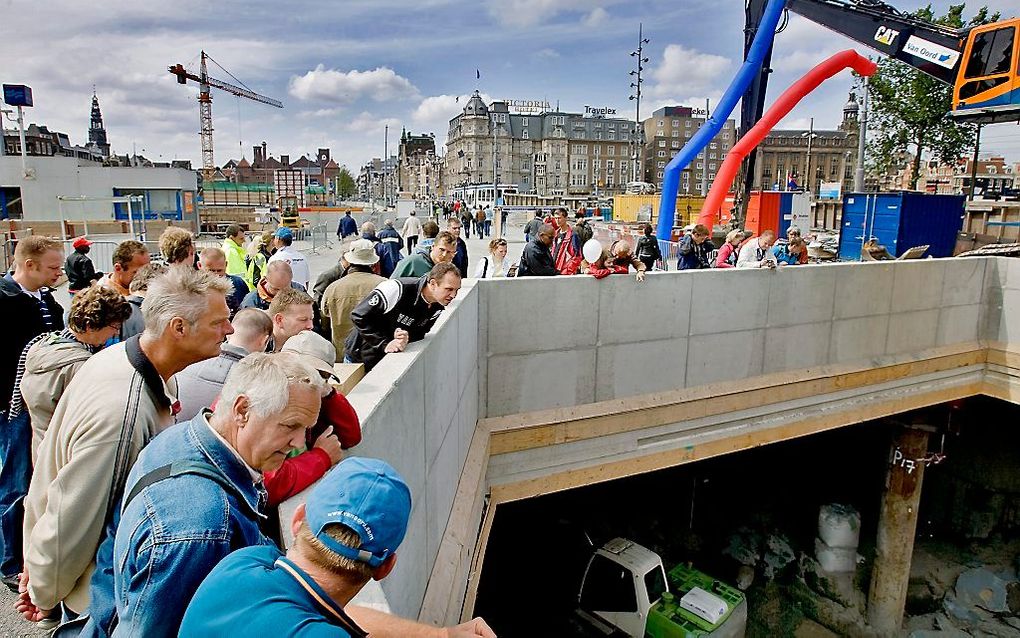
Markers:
(410, 231)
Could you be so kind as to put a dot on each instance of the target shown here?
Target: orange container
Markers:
(762, 212)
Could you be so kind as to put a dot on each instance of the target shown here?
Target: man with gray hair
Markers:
(196, 494)
(120, 399)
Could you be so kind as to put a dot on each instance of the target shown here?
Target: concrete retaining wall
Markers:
(559, 342)
(523, 345)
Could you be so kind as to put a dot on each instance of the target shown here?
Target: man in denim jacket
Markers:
(175, 527)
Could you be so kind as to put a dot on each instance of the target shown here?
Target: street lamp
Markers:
(636, 96)
(810, 135)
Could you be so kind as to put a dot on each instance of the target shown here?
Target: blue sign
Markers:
(830, 190)
(18, 95)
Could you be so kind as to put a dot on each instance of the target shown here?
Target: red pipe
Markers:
(789, 99)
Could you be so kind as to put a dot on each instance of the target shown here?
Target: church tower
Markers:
(97, 133)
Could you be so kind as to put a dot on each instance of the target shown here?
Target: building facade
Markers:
(551, 153)
(419, 170)
(667, 131)
(803, 159)
(994, 177)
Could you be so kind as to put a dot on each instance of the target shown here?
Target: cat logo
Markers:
(886, 36)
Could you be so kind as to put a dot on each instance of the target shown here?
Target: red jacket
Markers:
(567, 251)
(299, 472)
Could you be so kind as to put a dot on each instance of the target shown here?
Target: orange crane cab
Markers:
(988, 85)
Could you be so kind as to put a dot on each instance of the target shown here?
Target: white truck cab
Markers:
(626, 590)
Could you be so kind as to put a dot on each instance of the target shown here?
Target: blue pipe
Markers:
(752, 65)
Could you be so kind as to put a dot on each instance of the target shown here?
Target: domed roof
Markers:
(851, 104)
(476, 106)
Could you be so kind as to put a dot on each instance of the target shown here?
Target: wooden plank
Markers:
(637, 413)
(629, 467)
(349, 374)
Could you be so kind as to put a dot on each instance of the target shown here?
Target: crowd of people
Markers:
(149, 432)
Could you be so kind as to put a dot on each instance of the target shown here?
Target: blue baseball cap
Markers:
(284, 233)
(369, 497)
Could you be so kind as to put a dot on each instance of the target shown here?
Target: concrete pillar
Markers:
(897, 525)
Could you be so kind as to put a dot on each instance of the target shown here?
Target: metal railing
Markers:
(320, 238)
(100, 252)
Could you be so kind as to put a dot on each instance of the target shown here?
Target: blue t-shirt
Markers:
(256, 591)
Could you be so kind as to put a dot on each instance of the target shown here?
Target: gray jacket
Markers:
(199, 384)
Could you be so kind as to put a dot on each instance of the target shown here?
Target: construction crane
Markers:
(205, 105)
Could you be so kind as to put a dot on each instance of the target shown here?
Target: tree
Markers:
(345, 186)
(910, 110)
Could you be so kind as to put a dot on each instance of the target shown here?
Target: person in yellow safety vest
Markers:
(255, 259)
(233, 246)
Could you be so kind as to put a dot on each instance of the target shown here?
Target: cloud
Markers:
(527, 13)
(595, 18)
(380, 84)
(366, 122)
(546, 54)
(686, 71)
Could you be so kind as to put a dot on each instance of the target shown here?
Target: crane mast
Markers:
(205, 83)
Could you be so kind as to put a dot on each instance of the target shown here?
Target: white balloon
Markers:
(591, 250)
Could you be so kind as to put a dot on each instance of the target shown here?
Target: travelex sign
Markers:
(940, 55)
(598, 111)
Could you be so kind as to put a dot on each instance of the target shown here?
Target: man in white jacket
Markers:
(756, 252)
(410, 231)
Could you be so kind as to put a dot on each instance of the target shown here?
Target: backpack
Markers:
(584, 231)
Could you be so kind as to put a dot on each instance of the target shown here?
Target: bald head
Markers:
(252, 329)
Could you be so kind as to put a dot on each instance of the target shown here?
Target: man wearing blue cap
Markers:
(282, 240)
(346, 534)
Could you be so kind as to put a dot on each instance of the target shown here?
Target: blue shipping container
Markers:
(785, 212)
(900, 221)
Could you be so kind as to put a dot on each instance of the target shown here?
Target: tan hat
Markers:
(318, 351)
(362, 253)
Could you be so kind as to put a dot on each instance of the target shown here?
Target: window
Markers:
(662, 143)
(991, 53)
(676, 133)
(700, 164)
(660, 124)
(655, 584)
(609, 165)
(662, 153)
(659, 174)
(611, 150)
(711, 156)
(596, 150)
(524, 121)
(660, 164)
(676, 122)
(676, 144)
(687, 124)
(687, 134)
(711, 166)
(524, 134)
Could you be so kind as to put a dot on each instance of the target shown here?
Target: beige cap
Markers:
(318, 351)
(362, 253)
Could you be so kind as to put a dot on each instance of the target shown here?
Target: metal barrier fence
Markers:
(101, 254)
(320, 238)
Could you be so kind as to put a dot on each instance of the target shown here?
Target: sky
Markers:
(347, 69)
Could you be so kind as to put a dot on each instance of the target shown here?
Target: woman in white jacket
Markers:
(495, 264)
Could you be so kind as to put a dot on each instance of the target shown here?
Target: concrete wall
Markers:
(418, 412)
(558, 342)
(511, 346)
(63, 176)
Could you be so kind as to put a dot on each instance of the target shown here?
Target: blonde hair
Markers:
(34, 247)
(734, 234)
(313, 549)
(175, 244)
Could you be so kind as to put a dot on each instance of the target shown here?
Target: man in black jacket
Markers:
(29, 310)
(398, 312)
(537, 259)
(80, 271)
